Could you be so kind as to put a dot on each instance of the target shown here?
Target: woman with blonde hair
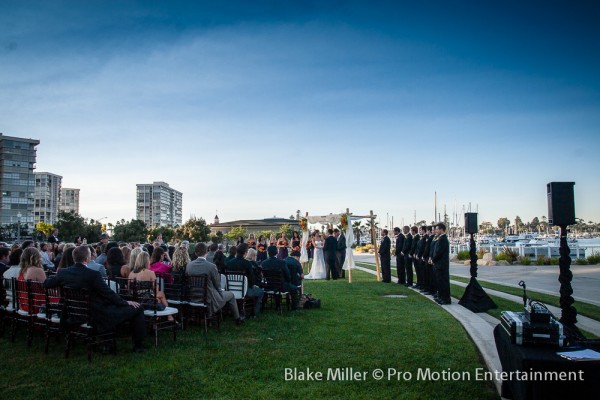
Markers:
(181, 258)
(141, 272)
(31, 265)
(132, 257)
(31, 269)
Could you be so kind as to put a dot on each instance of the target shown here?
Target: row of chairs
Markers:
(31, 305)
(52, 311)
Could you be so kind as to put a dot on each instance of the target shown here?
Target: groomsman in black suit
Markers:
(341, 252)
(419, 258)
(441, 259)
(427, 272)
(399, 257)
(385, 256)
(406, 254)
(413, 250)
(329, 251)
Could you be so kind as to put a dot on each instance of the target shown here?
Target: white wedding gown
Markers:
(317, 270)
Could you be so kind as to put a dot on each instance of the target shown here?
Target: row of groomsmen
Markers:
(427, 249)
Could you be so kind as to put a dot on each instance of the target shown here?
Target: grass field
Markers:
(356, 328)
(457, 291)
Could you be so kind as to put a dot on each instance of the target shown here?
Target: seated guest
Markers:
(108, 309)
(14, 261)
(232, 253)
(45, 252)
(66, 260)
(212, 249)
(158, 265)
(274, 263)
(93, 265)
(31, 266)
(132, 257)
(296, 272)
(220, 261)
(4, 257)
(181, 258)
(251, 255)
(217, 298)
(141, 272)
(240, 264)
(115, 259)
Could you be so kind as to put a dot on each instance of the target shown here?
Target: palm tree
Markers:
(375, 226)
(356, 228)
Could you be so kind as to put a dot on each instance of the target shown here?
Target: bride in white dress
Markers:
(317, 270)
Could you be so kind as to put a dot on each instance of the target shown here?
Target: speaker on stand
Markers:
(474, 298)
(561, 213)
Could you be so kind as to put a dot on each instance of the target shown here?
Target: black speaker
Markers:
(561, 203)
(471, 223)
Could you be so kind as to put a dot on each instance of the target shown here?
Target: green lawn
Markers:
(356, 328)
(589, 310)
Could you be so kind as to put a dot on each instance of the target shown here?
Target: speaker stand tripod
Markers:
(475, 298)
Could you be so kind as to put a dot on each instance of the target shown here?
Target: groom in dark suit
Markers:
(340, 252)
(330, 253)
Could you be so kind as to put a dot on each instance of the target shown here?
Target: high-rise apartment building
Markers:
(47, 197)
(159, 205)
(17, 182)
(69, 200)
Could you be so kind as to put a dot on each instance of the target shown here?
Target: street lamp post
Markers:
(19, 227)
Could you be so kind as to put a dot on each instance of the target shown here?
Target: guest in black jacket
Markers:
(441, 260)
(385, 256)
(108, 309)
(274, 263)
(241, 265)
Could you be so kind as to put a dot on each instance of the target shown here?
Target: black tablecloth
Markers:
(541, 358)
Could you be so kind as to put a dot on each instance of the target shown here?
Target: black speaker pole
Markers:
(475, 298)
(473, 257)
(569, 313)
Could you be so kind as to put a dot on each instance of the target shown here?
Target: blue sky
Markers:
(262, 108)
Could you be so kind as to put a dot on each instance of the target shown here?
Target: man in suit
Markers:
(340, 252)
(385, 248)
(217, 298)
(274, 263)
(426, 237)
(406, 248)
(418, 257)
(53, 238)
(241, 265)
(399, 256)
(108, 309)
(413, 251)
(433, 281)
(441, 260)
(330, 251)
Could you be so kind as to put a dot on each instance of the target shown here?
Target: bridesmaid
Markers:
(261, 250)
(295, 245)
(282, 247)
(251, 241)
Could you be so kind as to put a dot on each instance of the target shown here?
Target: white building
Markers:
(46, 197)
(159, 205)
(17, 162)
(69, 200)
